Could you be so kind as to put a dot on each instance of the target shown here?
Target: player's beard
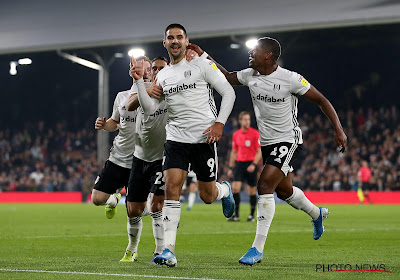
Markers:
(180, 54)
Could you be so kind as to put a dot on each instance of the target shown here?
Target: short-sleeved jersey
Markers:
(275, 98)
(150, 133)
(124, 143)
(365, 174)
(246, 144)
(187, 87)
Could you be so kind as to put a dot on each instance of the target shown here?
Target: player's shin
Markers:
(299, 201)
(236, 197)
(253, 204)
(265, 214)
(171, 217)
(134, 227)
(158, 231)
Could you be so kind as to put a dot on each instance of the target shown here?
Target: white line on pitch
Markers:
(104, 274)
(196, 233)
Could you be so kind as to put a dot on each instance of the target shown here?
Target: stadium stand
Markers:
(41, 158)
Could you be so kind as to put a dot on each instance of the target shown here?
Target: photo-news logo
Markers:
(341, 267)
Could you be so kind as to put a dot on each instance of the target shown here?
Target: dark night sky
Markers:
(333, 60)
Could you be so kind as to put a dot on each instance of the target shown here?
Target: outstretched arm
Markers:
(148, 104)
(230, 76)
(318, 98)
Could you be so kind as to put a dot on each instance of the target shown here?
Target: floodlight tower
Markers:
(103, 96)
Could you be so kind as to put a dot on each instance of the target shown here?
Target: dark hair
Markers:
(160, 58)
(271, 45)
(175, 25)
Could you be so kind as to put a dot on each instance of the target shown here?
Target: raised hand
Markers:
(137, 69)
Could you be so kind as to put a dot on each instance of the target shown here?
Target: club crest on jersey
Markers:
(277, 87)
(187, 73)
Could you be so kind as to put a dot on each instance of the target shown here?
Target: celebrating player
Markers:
(193, 128)
(146, 173)
(275, 91)
(245, 155)
(115, 174)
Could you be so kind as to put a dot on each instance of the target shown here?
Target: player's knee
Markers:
(97, 200)
(172, 190)
(156, 206)
(264, 187)
(134, 211)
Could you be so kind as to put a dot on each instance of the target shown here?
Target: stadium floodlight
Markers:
(80, 61)
(235, 46)
(13, 68)
(136, 52)
(251, 43)
(25, 61)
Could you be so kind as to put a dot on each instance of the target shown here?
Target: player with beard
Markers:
(193, 128)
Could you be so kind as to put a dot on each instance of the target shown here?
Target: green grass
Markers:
(79, 238)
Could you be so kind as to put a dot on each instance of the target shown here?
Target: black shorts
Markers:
(240, 173)
(201, 158)
(367, 186)
(111, 178)
(145, 177)
(190, 180)
(281, 155)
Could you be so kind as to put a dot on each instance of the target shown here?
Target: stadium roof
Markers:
(48, 25)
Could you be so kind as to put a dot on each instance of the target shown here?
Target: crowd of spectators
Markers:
(43, 157)
(373, 135)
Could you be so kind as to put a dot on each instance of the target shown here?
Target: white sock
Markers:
(134, 227)
(158, 231)
(223, 190)
(112, 201)
(171, 217)
(299, 201)
(191, 199)
(265, 214)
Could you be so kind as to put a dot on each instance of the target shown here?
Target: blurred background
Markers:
(347, 49)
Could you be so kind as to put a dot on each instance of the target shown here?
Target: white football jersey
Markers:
(150, 133)
(121, 152)
(275, 98)
(187, 87)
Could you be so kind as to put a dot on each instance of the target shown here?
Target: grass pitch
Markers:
(72, 241)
